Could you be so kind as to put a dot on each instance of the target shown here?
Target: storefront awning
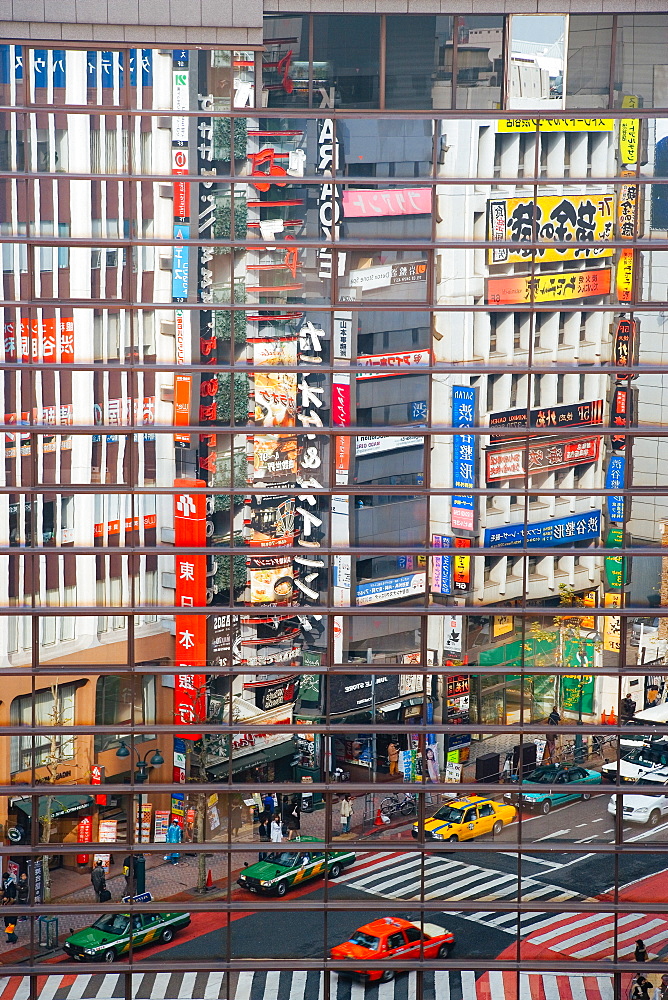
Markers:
(60, 805)
(252, 760)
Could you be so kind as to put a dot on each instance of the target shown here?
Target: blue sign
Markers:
(390, 590)
(463, 445)
(46, 64)
(110, 67)
(180, 264)
(419, 410)
(441, 575)
(562, 531)
(614, 480)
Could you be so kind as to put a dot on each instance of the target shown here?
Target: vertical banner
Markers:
(612, 624)
(190, 571)
(143, 834)
(463, 457)
(84, 836)
(441, 569)
(181, 223)
(160, 825)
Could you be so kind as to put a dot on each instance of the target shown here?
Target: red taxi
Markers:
(394, 938)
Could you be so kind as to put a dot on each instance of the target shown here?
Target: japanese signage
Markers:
(404, 360)
(243, 744)
(614, 565)
(612, 624)
(561, 531)
(374, 445)
(441, 566)
(275, 399)
(614, 480)
(463, 457)
(160, 826)
(342, 331)
(383, 275)
(40, 340)
(621, 414)
(367, 202)
(84, 836)
(271, 580)
(502, 625)
(523, 125)
(512, 463)
(629, 132)
(330, 207)
(626, 208)
(393, 589)
(570, 415)
(515, 289)
(222, 631)
(550, 219)
(457, 685)
(190, 571)
(273, 694)
(143, 832)
(452, 635)
(624, 276)
(275, 458)
(624, 345)
(577, 693)
(356, 692)
(272, 522)
(461, 567)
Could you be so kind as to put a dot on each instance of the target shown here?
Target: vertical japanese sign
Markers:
(612, 624)
(463, 457)
(84, 836)
(441, 566)
(180, 263)
(190, 570)
(614, 480)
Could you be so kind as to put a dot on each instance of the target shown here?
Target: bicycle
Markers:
(392, 804)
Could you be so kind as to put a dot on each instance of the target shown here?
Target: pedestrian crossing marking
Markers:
(301, 985)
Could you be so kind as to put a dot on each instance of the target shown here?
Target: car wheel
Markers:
(335, 870)
(109, 956)
(497, 828)
(546, 806)
(454, 839)
(586, 796)
(167, 935)
(654, 817)
(281, 889)
(386, 975)
(443, 951)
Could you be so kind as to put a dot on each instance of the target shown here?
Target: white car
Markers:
(648, 809)
(643, 762)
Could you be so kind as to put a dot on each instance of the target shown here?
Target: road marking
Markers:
(78, 987)
(272, 982)
(441, 986)
(159, 988)
(572, 925)
(23, 992)
(468, 985)
(578, 991)
(579, 825)
(550, 836)
(298, 985)
(188, 985)
(53, 982)
(412, 988)
(244, 985)
(495, 984)
(610, 941)
(605, 987)
(648, 833)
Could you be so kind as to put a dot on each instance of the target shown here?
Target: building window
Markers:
(53, 706)
(117, 705)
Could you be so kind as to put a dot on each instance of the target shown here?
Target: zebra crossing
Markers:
(300, 985)
(399, 875)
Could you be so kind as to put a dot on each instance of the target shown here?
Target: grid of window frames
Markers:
(334, 625)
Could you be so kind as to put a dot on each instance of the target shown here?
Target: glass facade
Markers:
(336, 606)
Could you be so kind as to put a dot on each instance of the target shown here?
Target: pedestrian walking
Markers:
(554, 718)
(236, 819)
(23, 892)
(346, 811)
(552, 749)
(628, 708)
(640, 988)
(276, 832)
(98, 878)
(661, 992)
(174, 836)
(9, 894)
(293, 821)
(641, 951)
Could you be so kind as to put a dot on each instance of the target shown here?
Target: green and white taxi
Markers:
(110, 936)
(281, 870)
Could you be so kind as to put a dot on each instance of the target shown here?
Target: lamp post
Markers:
(140, 776)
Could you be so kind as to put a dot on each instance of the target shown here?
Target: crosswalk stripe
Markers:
(107, 986)
(496, 984)
(160, 984)
(569, 925)
(609, 942)
(244, 985)
(78, 988)
(605, 987)
(441, 986)
(298, 985)
(357, 991)
(272, 982)
(379, 876)
(212, 989)
(577, 986)
(468, 985)
(23, 992)
(187, 987)
(50, 987)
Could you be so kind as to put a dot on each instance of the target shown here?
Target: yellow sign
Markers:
(555, 219)
(611, 624)
(548, 287)
(590, 600)
(626, 208)
(502, 625)
(629, 132)
(555, 125)
(625, 276)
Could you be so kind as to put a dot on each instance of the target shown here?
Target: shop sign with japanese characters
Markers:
(569, 415)
(570, 285)
(463, 457)
(560, 531)
(392, 589)
(523, 125)
(190, 572)
(511, 463)
(551, 219)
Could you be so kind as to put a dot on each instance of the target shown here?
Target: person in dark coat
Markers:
(23, 892)
(293, 818)
(641, 954)
(641, 988)
(99, 879)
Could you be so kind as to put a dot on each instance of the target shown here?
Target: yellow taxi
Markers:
(466, 818)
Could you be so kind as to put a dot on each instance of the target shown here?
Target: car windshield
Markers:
(449, 815)
(115, 923)
(645, 756)
(543, 777)
(284, 858)
(364, 940)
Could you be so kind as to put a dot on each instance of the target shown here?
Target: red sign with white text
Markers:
(190, 570)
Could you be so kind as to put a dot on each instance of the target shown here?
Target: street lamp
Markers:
(140, 776)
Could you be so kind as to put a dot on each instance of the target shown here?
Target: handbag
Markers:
(105, 896)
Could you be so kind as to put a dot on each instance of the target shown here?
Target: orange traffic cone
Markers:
(379, 821)
(209, 880)
(604, 718)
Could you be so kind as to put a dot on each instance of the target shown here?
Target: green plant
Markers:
(223, 129)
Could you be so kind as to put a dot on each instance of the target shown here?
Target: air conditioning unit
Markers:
(165, 259)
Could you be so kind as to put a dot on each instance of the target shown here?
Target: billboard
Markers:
(365, 203)
(190, 587)
(275, 458)
(614, 480)
(517, 461)
(275, 399)
(569, 415)
(550, 219)
(375, 445)
(401, 361)
(524, 125)
(560, 531)
(463, 457)
(441, 566)
(564, 285)
(274, 353)
(393, 589)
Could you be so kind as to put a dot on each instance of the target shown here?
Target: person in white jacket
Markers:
(276, 832)
(346, 811)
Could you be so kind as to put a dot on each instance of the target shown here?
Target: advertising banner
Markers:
(160, 825)
(624, 276)
(624, 346)
(354, 692)
(275, 458)
(550, 219)
(180, 263)
(452, 635)
(614, 565)
(274, 353)
(40, 340)
(272, 521)
(271, 580)
(612, 624)
(275, 399)
(564, 285)
(511, 463)
(560, 531)
(570, 415)
(626, 208)
(342, 331)
(577, 694)
(629, 132)
(621, 414)
(376, 445)
(461, 567)
(614, 480)
(84, 836)
(190, 573)
(393, 589)
(523, 125)
(401, 361)
(365, 203)
(463, 457)
(143, 835)
(502, 625)
(441, 566)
